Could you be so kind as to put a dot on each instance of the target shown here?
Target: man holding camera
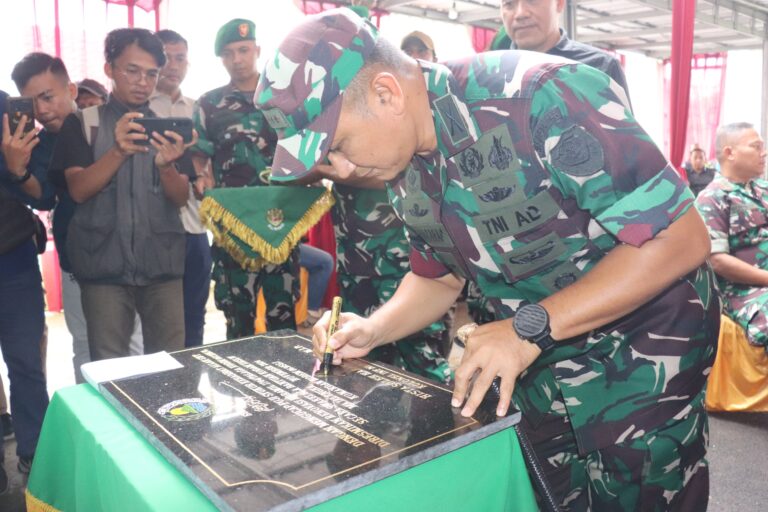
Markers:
(125, 241)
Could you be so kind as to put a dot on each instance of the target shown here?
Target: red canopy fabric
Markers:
(481, 38)
(147, 5)
(683, 13)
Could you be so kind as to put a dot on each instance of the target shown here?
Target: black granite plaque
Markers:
(254, 429)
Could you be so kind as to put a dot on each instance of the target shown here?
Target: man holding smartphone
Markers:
(125, 240)
(22, 320)
(168, 101)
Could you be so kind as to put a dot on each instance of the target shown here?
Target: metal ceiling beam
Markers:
(476, 15)
(388, 4)
(602, 20)
(432, 14)
(717, 16)
(702, 41)
(629, 34)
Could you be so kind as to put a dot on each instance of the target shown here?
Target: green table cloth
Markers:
(89, 458)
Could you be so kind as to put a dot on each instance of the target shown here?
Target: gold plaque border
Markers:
(278, 482)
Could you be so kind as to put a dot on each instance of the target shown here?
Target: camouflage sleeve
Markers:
(714, 210)
(424, 263)
(599, 155)
(204, 145)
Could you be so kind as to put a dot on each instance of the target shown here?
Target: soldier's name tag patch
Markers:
(433, 234)
(517, 218)
(577, 153)
(276, 119)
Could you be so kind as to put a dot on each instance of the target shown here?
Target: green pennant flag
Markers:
(262, 225)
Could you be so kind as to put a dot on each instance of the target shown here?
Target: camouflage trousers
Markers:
(235, 292)
(664, 469)
(419, 353)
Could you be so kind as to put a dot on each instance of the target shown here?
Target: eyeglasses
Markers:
(134, 75)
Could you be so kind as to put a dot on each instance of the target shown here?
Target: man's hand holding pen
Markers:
(353, 338)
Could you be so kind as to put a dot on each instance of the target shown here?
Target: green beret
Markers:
(232, 31)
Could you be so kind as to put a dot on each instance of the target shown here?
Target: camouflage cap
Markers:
(300, 91)
(232, 31)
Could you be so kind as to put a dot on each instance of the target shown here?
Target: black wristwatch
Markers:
(18, 180)
(531, 323)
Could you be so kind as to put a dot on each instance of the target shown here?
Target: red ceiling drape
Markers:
(683, 13)
(316, 6)
(481, 38)
(705, 100)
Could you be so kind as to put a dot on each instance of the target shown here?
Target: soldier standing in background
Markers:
(240, 145)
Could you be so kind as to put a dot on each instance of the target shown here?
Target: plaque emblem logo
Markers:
(186, 409)
(243, 29)
(275, 218)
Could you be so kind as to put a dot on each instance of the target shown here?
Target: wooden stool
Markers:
(739, 378)
(300, 308)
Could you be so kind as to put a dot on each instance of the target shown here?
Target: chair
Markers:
(739, 378)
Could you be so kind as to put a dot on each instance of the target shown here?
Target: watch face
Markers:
(531, 321)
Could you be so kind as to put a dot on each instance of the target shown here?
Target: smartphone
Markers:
(18, 107)
(180, 125)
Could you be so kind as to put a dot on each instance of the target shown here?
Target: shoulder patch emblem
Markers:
(577, 153)
(500, 156)
(454, 123)
(471, 162)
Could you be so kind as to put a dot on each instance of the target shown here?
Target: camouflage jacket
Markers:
(235, 136)
(370, 237)
(540, 171)
(736, 216)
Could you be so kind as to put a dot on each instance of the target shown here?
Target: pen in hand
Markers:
(332, 326)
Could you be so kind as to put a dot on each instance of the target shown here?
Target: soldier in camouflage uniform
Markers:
(371, 259)
(530, 177)
(735, 209)
(240, 145)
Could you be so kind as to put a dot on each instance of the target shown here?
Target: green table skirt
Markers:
(90, 459)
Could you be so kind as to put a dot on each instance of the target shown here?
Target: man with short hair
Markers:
(699, 172)
(235, 138)
(168, 101)
(534, 25)
(125, 241)
(530, 176)
(735, 209)
(90, 93)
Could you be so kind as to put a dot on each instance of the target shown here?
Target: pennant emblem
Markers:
(275, 218)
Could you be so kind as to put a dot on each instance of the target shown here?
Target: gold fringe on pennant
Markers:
(35, 504)
(211, 213)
